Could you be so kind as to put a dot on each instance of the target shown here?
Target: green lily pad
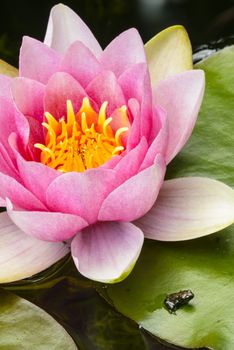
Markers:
(25, 326)
(204, 265)
(210, 150)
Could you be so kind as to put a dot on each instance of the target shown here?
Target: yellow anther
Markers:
(70, 114)
(81, 141)
(102, 113)
(118, 134)
(84, 124)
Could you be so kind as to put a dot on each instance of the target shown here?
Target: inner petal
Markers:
(84, 140)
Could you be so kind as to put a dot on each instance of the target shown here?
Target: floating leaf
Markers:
(26, 326)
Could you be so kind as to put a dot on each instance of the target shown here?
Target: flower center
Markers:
(85, 140)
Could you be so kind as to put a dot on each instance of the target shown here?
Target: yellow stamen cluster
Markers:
(84, 140)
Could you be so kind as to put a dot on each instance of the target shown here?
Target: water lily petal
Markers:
(135, 83)
(48, 226)
(5, 89)
(6, 165)
(18, 194)
(80, 62)
(135, 196)
(134, 133)
(60, 88)
(130, 164)
(28, 95)
(81, 193)
(7, 69)
(188, 208)
(168, 53)
(125, 50)
(65, 27)
(7, 121)
(36, 177)
(22, 256)
(105, 87)
(107, 252)
(181, 96)
(160, 142)
(37, 61)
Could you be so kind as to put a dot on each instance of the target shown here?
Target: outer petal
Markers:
(22, 256)
(65, 27)
(105, 87)
(18, 194)
(189, 208)
(81, 193)
(29, 96)
(107, 252)
(169, 53)
(46, 225)
(60, 88)
(125, 50)
(181, 97)
(37, 61)
(135, 196)
(81, 63)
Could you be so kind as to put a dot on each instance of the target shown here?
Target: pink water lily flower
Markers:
(85, 138)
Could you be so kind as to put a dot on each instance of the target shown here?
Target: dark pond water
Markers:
(72, 300)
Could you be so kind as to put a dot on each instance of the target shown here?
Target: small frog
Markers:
(175, 300)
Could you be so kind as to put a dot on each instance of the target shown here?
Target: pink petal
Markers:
(107, 252)
(135, 83)
(159, 144)
(29, 96)
(7, 121)
(60, 88)
(6, 165)
(105, 87)
(125, 50)
(18, 194)
(65, 27)
(188, 208)
(36, 177)
(11, 121)
(22, 256)
(112, 162)
(81, 193)
(5, 83)
(37, 61)
(134, 197)
(48, 226)
(80, 63)
(36, 135)
(181, 97)
(130, 164)
(135, 131)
